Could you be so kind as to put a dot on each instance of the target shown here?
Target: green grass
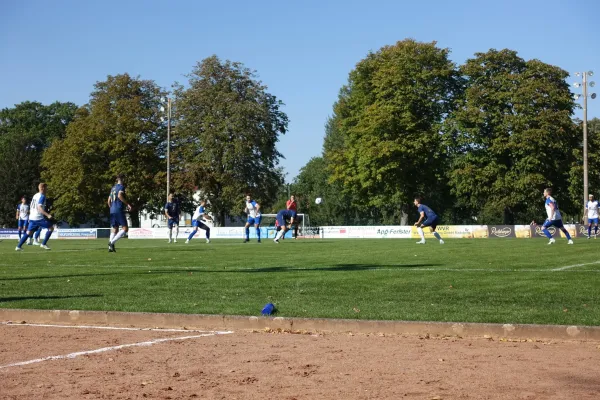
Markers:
(495, 280)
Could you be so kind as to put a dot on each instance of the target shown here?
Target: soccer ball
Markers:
(318, 200)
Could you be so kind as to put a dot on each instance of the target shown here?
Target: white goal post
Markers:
(304, 222)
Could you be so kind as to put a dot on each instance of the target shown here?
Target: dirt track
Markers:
(261, 365)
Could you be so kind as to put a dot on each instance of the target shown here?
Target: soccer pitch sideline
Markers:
(503, 281)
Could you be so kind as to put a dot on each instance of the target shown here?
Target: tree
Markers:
(387, 144)
(227, 126)
(510, 136)
(576, 175)
(119, 131)
(25, 132)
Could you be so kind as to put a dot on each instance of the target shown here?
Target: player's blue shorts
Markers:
(118, 219)
(200, 224)
(40, 223)
(23, 223)
(255, 220)
(433, 222)
(593, 221)
(172, 222)
(556, 222)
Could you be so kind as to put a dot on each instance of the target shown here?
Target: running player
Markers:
(38, 218)
(282, 219)
(117, 204)
(430, 219)
(254, 217)
(554, 218)
(22, 216)
(172, 212)
(198, 223)
(592, 214)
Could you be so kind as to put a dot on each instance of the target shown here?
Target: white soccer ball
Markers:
(318, 200)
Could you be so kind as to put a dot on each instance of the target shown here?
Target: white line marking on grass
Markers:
(575, 266)
(105, 349)
(107, 327)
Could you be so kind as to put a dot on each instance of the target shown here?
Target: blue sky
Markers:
(303, 51)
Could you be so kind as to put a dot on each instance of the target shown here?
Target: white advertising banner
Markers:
(366, 232)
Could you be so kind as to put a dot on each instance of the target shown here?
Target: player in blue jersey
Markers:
(254, 217)
(22, 216)
(172, 212)
(426, 218)
(554, 218)
(117, 204)
(198, 219)
(283, 217)
(38, 218)
(591, 209)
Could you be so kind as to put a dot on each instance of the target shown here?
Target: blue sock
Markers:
(258, 233)
(547, 233)
(36, 235)
(596, 230)
(48, 234)
(437, 235)
(23, 240)
(590, 230)
(566, 232)
(20, 234)
(192, 234)
(208, 233)
(247, 233)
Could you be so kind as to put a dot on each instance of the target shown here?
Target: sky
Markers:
(303, 51)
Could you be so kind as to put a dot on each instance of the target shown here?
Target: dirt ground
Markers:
(278, 365)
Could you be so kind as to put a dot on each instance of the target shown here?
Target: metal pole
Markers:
(585, 140)
(168, 146)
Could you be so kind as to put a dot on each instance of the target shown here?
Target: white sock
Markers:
(118, 236)
(176, 232)
(279, 234)
(112, 236)
(421, 233)
(170, 233)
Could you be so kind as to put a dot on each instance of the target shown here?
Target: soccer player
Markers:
(22, 216)
(554, 218)
(172, 213)
(38, 218)
(592, 214)
(199, 215)
(292, 205)
(430, 219)
(254, 217)
(282, 217)
(117, 204)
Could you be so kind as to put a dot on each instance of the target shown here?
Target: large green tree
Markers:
(224, 141)
(387, 145)
(511, 135)
(119, 131)
(26, 130)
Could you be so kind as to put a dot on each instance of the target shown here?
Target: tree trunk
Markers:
(135, 219)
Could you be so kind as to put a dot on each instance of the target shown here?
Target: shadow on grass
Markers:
(7, 299)
(186, 270)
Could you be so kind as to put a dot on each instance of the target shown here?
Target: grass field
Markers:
(503, 280)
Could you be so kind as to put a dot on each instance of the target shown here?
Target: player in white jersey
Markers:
(198, 219)
(22, 216)
(554, 217)
(592, 215)
(254, 218)
(38, 218)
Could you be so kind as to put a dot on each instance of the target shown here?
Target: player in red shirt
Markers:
(292, 205)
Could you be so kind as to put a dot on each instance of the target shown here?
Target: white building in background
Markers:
(150, 220)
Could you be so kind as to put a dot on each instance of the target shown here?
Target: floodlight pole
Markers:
(169, 146)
